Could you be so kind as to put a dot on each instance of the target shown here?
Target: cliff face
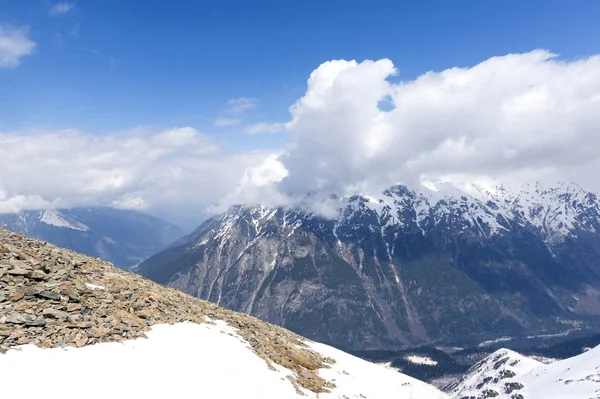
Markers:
(406, 267)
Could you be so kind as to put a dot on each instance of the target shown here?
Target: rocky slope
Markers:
(54, 298)
(439, 263)
(122, 237)
(509, 375)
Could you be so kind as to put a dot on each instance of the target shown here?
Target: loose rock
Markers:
(50, 297)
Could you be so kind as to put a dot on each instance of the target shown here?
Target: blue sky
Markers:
(110, 65)
(178, 107)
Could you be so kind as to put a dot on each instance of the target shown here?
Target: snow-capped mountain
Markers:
(508, 375)
(119, 236)
(92, 330)
(440, 262)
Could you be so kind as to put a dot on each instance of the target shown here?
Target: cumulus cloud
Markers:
(14, 45)
(168, 171)
(60, 9)
(518, 117)
(242, 104)
(257, 185)
(265, 128)
(225, 122)
(512, 116)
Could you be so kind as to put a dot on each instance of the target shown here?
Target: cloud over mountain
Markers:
(139, 169)
(357, 128)
(521, 115)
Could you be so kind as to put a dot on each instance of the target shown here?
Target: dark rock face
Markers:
(407, 267)
(122, 237)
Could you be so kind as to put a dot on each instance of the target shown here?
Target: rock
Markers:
(80, 340)
(17, 296)
(49, 295)
(18, 272)
(509, 387)
(72, 307)
(13, 319)
(39, 322)
(37, 275)
(57, 314)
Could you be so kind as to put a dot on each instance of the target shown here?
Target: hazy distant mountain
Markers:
(438, 263)
(122, 237)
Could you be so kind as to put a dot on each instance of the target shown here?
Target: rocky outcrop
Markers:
(496, 375)
(52, 297)
(509, 375)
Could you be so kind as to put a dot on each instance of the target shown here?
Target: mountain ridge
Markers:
(408, 266)
(123, 237)
(506, 374)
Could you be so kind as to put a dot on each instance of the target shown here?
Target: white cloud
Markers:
(171, 171)
(14, 45)
(265, 128)
(60, 9)
(242, 104)
(508, 117)
(224, 122)
(256, 186)
(516, 117)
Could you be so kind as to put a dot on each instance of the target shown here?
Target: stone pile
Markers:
(53, 297)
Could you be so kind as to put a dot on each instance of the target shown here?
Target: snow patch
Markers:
(424, 360)
(53, 217)
(509, 373)
(94, 286)
(187, 360)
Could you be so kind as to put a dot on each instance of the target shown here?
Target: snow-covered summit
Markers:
(493, 376)
(508, 375)
(554, 212)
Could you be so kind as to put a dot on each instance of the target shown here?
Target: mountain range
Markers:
(123, 237)
(78, 314)
(451, 263)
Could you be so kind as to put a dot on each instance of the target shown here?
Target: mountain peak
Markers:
(506, 374)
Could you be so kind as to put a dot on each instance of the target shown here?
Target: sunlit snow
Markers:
(188, 360)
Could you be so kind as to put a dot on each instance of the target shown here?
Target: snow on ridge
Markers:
(507, 375)
(555, 211)
(487, 207)
(492, 374)
(53, 217)
(224, 366)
